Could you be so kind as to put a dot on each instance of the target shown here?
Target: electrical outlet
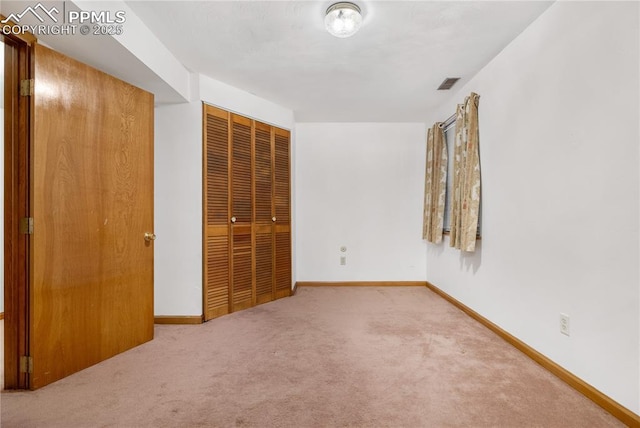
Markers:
(564, 324)
(343, 260)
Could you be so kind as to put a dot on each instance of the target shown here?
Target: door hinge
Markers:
(26, 364)
(26, 87)
(26, 225)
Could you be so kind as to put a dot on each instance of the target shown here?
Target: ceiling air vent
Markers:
(448, 83)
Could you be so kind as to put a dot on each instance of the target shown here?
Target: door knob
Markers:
(233, 219)
(273, 219)
(149, 237)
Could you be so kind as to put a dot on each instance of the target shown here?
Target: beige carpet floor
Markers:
(327, 357)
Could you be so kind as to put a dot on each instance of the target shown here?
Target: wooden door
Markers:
(216, 212)
(241, 213)
(247, 224)
(91, 293)
(264, 214)
(282, 195)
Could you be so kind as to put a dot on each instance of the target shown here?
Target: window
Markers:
(450, 141)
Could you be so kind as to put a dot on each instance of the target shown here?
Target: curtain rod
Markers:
(448, 121)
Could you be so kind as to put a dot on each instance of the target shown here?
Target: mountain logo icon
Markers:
(39, 11)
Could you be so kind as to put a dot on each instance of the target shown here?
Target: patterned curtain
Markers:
(465, 200)
(435, 185)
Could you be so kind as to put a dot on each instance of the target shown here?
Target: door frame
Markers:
(17, 182)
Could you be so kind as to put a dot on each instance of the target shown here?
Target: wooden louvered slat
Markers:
(242, 274)
(217, 278)
(264, 267)
(217, 170)
(283, 264)
(281, 194)
(263, 176)
(241, 172)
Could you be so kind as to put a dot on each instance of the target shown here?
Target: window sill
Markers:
(448, 232)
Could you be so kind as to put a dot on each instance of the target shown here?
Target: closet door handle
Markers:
(273, 219)
(233, 219)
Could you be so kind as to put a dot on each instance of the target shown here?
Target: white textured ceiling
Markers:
(388, 71)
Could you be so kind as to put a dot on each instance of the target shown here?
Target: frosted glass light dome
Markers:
(343, 19)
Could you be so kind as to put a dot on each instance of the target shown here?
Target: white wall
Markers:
(140, 41)
(178, 189)
(178, 209)
(559, 139)
(236, 100)
(360, 185)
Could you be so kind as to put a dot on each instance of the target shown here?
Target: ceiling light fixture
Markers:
(343, 19)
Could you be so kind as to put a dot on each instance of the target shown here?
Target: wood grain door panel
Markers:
(216, 206)
(242, 295)
(282, 197)
(282, 194)
(241, 176)
(242, 278)
(263, 174)
(283, 263)
(264, 213)
(92, 202)
(265, 281)
(216, 158)
(216, 287)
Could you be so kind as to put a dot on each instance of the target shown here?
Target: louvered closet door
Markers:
(264, 223)
(241, 213)
(282, 213)
(216, 213)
